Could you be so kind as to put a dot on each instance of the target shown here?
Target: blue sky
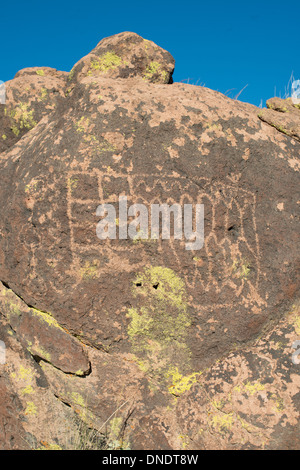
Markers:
(224, 45)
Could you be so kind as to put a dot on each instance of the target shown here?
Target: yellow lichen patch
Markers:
(105, 146)
(27, 390)
(13, 309)
(297, 324)
(31, 187)
(72, 183)
(23, 378)
(31, 409)
(244, 424)
(218, 404)
(106, 62)
(155, 69)
(40, 72)
(181, 384)
(78, 399)
(294, 317)
(279, 403)
(23, 374)
(83, 124)
(158, 328)
(249, 388)
(222, 422)
(46, 318)
(49, 446)
(44, 94)
(241, 268)
(80, 407)
(184, 440)
(22, 118)
(146, 43)
(114, 437)
(170, 287)
(71, 74)
(214, 126)
(99, 146)
(90, 270)
(41, 352)
(115, 427)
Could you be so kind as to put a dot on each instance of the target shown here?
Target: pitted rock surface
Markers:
(183, 344)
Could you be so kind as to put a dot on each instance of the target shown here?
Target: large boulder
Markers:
(125, 55)
(164, 328)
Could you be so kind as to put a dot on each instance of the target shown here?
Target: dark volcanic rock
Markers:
(125, 55)
(30, 96)
(43, 336)
(153, 315)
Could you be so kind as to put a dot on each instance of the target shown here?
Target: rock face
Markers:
(30, 96)
(156, 346)
(125, 55)
(284, 115)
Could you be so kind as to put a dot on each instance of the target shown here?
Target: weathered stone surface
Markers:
(11, 429)
(31, 417)
(42, 335)
(251, 400)
(284, 115)
(172, 335)
(30, 96)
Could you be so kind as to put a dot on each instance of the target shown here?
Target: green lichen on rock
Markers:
(158, 328)
(46, 318)
(40, 352)
(71, 74)
(154, 71)
(222, 423)
(31, 409)
(49, 446)
(115, 440)
(181, 383)
(28, 390)
(249, 388)
(106, 62)
(78, 399)
(83, 127)
(72, 183)
(90, 270)
(241, 268)
(44, 94)
(22, 118)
